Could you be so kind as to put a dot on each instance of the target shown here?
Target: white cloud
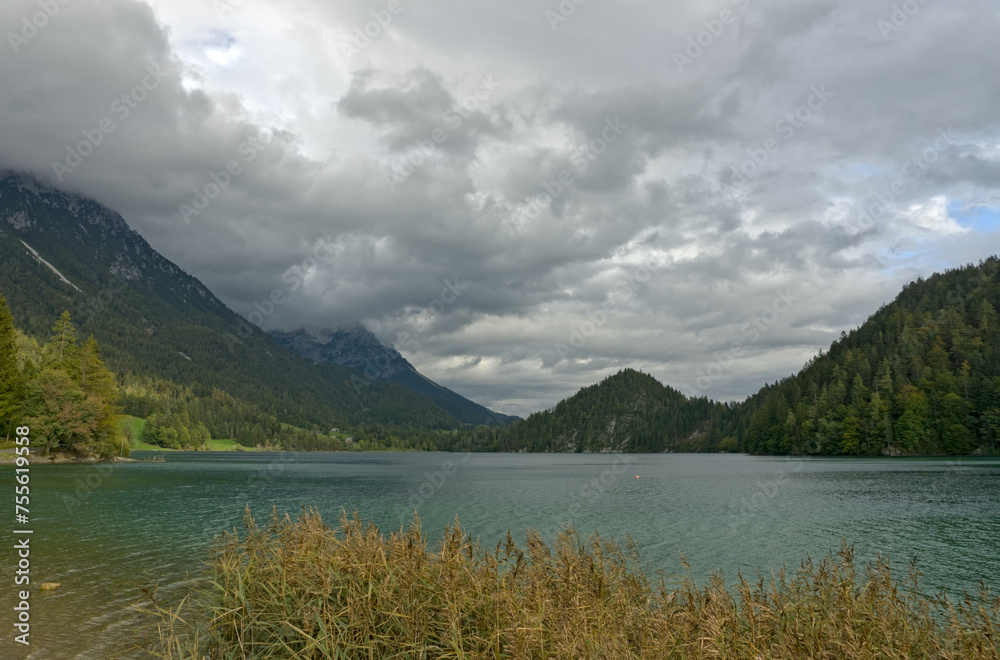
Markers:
(932, 217)
(664, 190)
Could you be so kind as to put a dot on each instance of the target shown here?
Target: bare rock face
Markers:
(358, 348)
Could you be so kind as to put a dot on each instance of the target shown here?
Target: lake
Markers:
(103, 531)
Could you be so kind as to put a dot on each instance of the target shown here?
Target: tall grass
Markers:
(298, 589)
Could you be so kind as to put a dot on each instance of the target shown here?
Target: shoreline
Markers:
(7, 457)
(572, 597)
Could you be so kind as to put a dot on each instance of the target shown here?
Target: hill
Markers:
(920, 376)
(629, 411)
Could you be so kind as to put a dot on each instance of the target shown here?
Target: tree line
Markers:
(74, 404)
(61, 390)
(921, 376)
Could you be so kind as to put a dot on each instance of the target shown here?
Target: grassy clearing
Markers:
(211, 445)
(298, 589)
(224, 444)
(144, 446)
(131, 426)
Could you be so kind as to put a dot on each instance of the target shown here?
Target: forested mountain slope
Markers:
(629, 411)
(63, 252)
(358, 348)
(920, 376)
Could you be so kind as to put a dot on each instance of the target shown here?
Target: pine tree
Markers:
(878, 423)
(910, 430)
(851, 439)
(954, 430)
(11, 378)
(71, 398)
(99, 384)
(884, 379)
(62, 350)
(59, 412)
(987, 317)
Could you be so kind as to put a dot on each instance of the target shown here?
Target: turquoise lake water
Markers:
(105, 531)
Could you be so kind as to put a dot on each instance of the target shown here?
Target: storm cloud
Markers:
(526, 197)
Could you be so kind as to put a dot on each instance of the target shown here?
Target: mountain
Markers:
(65, 252)
(921, 376)
(630, 411)
(358, 348)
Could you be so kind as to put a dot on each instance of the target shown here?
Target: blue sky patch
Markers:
(220, 39)
(978, 218)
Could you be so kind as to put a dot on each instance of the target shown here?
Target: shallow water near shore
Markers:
(103, 531)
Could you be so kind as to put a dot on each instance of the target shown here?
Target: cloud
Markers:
(472, 145)
(408, 109)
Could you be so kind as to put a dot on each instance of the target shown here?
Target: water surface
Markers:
(105, 531)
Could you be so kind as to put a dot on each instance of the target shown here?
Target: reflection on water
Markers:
(104, 532)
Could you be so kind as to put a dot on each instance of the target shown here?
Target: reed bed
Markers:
(299, 589)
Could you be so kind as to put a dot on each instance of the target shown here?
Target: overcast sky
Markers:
(660, 185)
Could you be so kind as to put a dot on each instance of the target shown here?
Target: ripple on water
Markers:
(152, 524)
